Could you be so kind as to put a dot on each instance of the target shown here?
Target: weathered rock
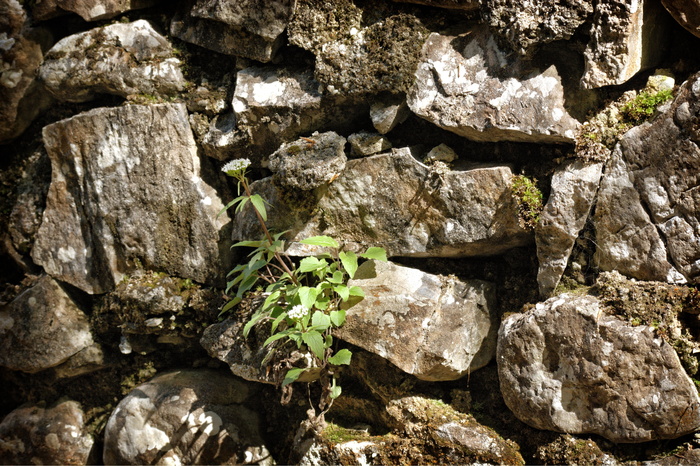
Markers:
(442, 153)
(388, 113)
(22, 98)
(686, 12)
(41, 328)
(568, 367)
(247, 28)
(466, 5)
(186, 417)
(39, 435)
(388, 49)
(433, 327)
(127, 192)
(467, 85)
(363, 144)
(89, 10)
(308, 163)
(574, 186)
(394, 201)
(526, 26)
(648, 215)
(626, 36)
(122, 59)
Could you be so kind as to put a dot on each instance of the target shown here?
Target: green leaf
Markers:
(259, 205)
(229, 205)
(326, 241)
(292, 375)
(321, 321)
(277, 321)
(349, 260)
(337, 317)
(271, 299)
(340, 358)
(314, 341)
(375, 253)
(336, 390)
(310, 264)
(277, 336)
(229, 305)
(337, 278)
(342, 291)
(244, 201)
(356, 291)
(250, 244)
(308, 296)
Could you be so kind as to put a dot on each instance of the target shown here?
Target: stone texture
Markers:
(433, 327)
(647, 217)
(686, 12)
(568, 367)
(468, 85)
(394, 201)
(89, 10)
(626, 36)
(42, 328)
(308, 163)
(364, 144)
(525, 26)
(388, 113)
(22, 98)
(35, 434)
(574, 186)
(186, 417)
(247, 28)
(121, 59)
(465, 5)
(127, 192)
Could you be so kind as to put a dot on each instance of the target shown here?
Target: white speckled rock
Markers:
(89, 10)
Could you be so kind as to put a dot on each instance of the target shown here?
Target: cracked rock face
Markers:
(89, 10)
(648, 210)
(433, 327)
(468, 85)
(566, 366)
(686, 12)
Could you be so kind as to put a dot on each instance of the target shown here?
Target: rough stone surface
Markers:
(647, 216)
(527, 25)
(42, 328)
(626, 36)
(686, 12)
(89, 10)
(22, 98)
(394, 201)
(388, 113)
(468, 85)
(308, 163)
(38, 435)
(574, 186)
(247, 28)
(568, 367)
(127, 192)
(122, 59)
(433, 327)
(465, 5)
(186, 417)
(363, 144)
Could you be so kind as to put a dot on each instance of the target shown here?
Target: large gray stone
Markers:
(574, 186)
(89, 10)
(186, 417)
(436, 328)
(394, 201)
(468, 85)
(247, 28)
(122, 59)
(36, 434)
(42, 328)
(568, 367)
(686, 12)
(647, 217)
(464, 5)
(127, 192)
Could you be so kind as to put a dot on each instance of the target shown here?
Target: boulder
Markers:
(436, 328)
(574, 186)
(89, 10)
(566, 366)
(648, 210)
(247, 28)
(22, 97)
(686, 12)
(127, 193)
(35, 434)
(394, 201)
(122, 59)
(186, 417)
(626, 36)
(468, 85)
(42, 328)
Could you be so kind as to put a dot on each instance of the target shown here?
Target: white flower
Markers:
(297, 312)
(235, 166)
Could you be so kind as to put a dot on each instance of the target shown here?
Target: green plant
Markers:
(529, 198)
(304, 302)
(642, 107)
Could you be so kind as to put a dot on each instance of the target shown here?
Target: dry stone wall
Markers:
(530, 168)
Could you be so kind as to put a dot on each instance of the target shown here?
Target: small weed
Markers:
(642, 107)
(529, 199)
